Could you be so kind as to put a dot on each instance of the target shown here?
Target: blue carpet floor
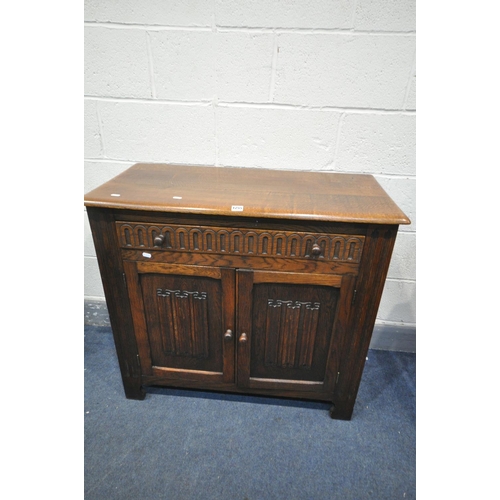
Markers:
(193, 445)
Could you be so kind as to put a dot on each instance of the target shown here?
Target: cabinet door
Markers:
(290, 331)
(184, 322)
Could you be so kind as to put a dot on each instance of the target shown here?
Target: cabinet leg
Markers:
(133, 389)
(337, 412)
(331, 411)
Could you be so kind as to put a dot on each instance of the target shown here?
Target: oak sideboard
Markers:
(243, 280)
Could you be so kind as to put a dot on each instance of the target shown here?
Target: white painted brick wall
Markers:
(343, 70)
(244, 66)
(285, 14)
(319, 85)
(92, 135)
(403, 191)
(276, 138)
(151, 12)
(97, 170)
(385, 15)
(116, 63)
(183, 64)
(157, 132)
(377, 143)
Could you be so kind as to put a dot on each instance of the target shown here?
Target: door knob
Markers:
(228, 335)
(243, 338)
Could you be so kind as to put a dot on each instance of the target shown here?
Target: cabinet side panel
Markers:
(117, 301)
(375, 261)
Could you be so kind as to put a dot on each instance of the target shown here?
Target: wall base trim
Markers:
(385, 337)
(96, 312)
(394, 338)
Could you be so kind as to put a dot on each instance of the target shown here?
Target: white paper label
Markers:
(114, 194)
(146, 254)
(177, 197)
(237, 208)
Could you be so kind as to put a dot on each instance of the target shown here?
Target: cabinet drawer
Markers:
(244, 242)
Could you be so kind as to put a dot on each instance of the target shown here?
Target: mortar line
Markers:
(353, 13)
(151, 65)
(405, 230)
(132, 162)
(390, 176)
(408, 84)
(403, 280)
(214, 13)
(216, 76)
(337, 142)
(212, 27)
(313, 31)
(107, 160)
(410, 177)
(346, 109)
(216, 133)
(101, 134)
(273, 68)
(386, 176)
(254, 105)
(146, 100)
(147, 27)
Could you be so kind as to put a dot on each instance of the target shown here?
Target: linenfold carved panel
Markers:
(290, 333)
(336, 247)
(184, 322)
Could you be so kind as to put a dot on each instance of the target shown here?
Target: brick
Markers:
(184, 64)
(191, 65)
(403, 263)
(411, 100)
(244, 66)
(403, 191)
(398, 303)
(276, 138)
(360, 71)
(153, 12)
(377, 143)
(99, 172)
(92, 137)
(158, 132)
(385, 15)
(116, 63)
(285, 14)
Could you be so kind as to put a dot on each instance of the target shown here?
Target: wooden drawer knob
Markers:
(316, 250)
(243, 338)
(228, 335)
(158, 241)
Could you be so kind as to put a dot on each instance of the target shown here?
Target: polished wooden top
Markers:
(249, 192)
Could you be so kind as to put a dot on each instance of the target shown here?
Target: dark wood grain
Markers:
(279, 299)
(369, 288)
(117, 300)
(261, 192)
(336, 247)
(180, 314)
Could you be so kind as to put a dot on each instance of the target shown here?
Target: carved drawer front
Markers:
(246, 242)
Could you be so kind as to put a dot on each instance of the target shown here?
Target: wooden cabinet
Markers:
(243, 280)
